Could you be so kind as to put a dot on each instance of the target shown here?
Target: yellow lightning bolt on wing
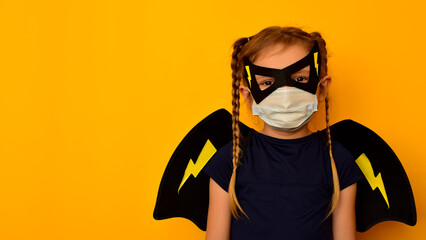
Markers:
(248, 75)
(315, 61)
(374, 181)
(195, 168)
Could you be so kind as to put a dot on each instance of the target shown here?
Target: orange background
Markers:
(96, 95)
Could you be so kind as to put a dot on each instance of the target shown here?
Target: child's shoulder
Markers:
(220, 166)
(340, 150)
(224, 152)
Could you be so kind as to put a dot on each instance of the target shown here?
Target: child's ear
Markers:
(245, 93)
(323, 88)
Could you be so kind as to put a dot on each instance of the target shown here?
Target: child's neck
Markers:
(299, 133)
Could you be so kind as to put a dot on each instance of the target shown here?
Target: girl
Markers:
(288, 183)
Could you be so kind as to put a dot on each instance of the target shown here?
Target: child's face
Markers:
(277, 56)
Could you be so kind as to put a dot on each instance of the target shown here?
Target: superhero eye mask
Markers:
(283, 77)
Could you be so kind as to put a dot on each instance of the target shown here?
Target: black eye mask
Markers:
(282, 77)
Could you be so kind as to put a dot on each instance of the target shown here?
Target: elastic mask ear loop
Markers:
(248, 89)
(319, 83)
(318, 87)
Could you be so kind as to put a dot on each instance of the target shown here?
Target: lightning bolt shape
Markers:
(248, 75)
(195, 168)
(316, 61)
(374, 181)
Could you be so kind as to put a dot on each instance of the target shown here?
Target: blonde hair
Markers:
(250, 48)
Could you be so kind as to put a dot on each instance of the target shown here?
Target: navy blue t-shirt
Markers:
(284, 186)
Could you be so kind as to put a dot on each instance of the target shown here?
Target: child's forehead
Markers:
(279, 56)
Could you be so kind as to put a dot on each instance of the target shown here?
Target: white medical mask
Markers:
(286, 108)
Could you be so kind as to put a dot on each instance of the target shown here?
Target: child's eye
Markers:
(264, 81)
(268, 83)
(301, 79)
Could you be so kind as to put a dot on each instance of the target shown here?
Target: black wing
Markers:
(184, 188)
(385, 192)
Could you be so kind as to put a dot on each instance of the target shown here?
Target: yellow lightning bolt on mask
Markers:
(195, 168)
(248, 75)
(374, 181)
(316, 61)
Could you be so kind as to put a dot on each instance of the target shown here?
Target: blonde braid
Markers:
(236, 151)
(336, 185)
